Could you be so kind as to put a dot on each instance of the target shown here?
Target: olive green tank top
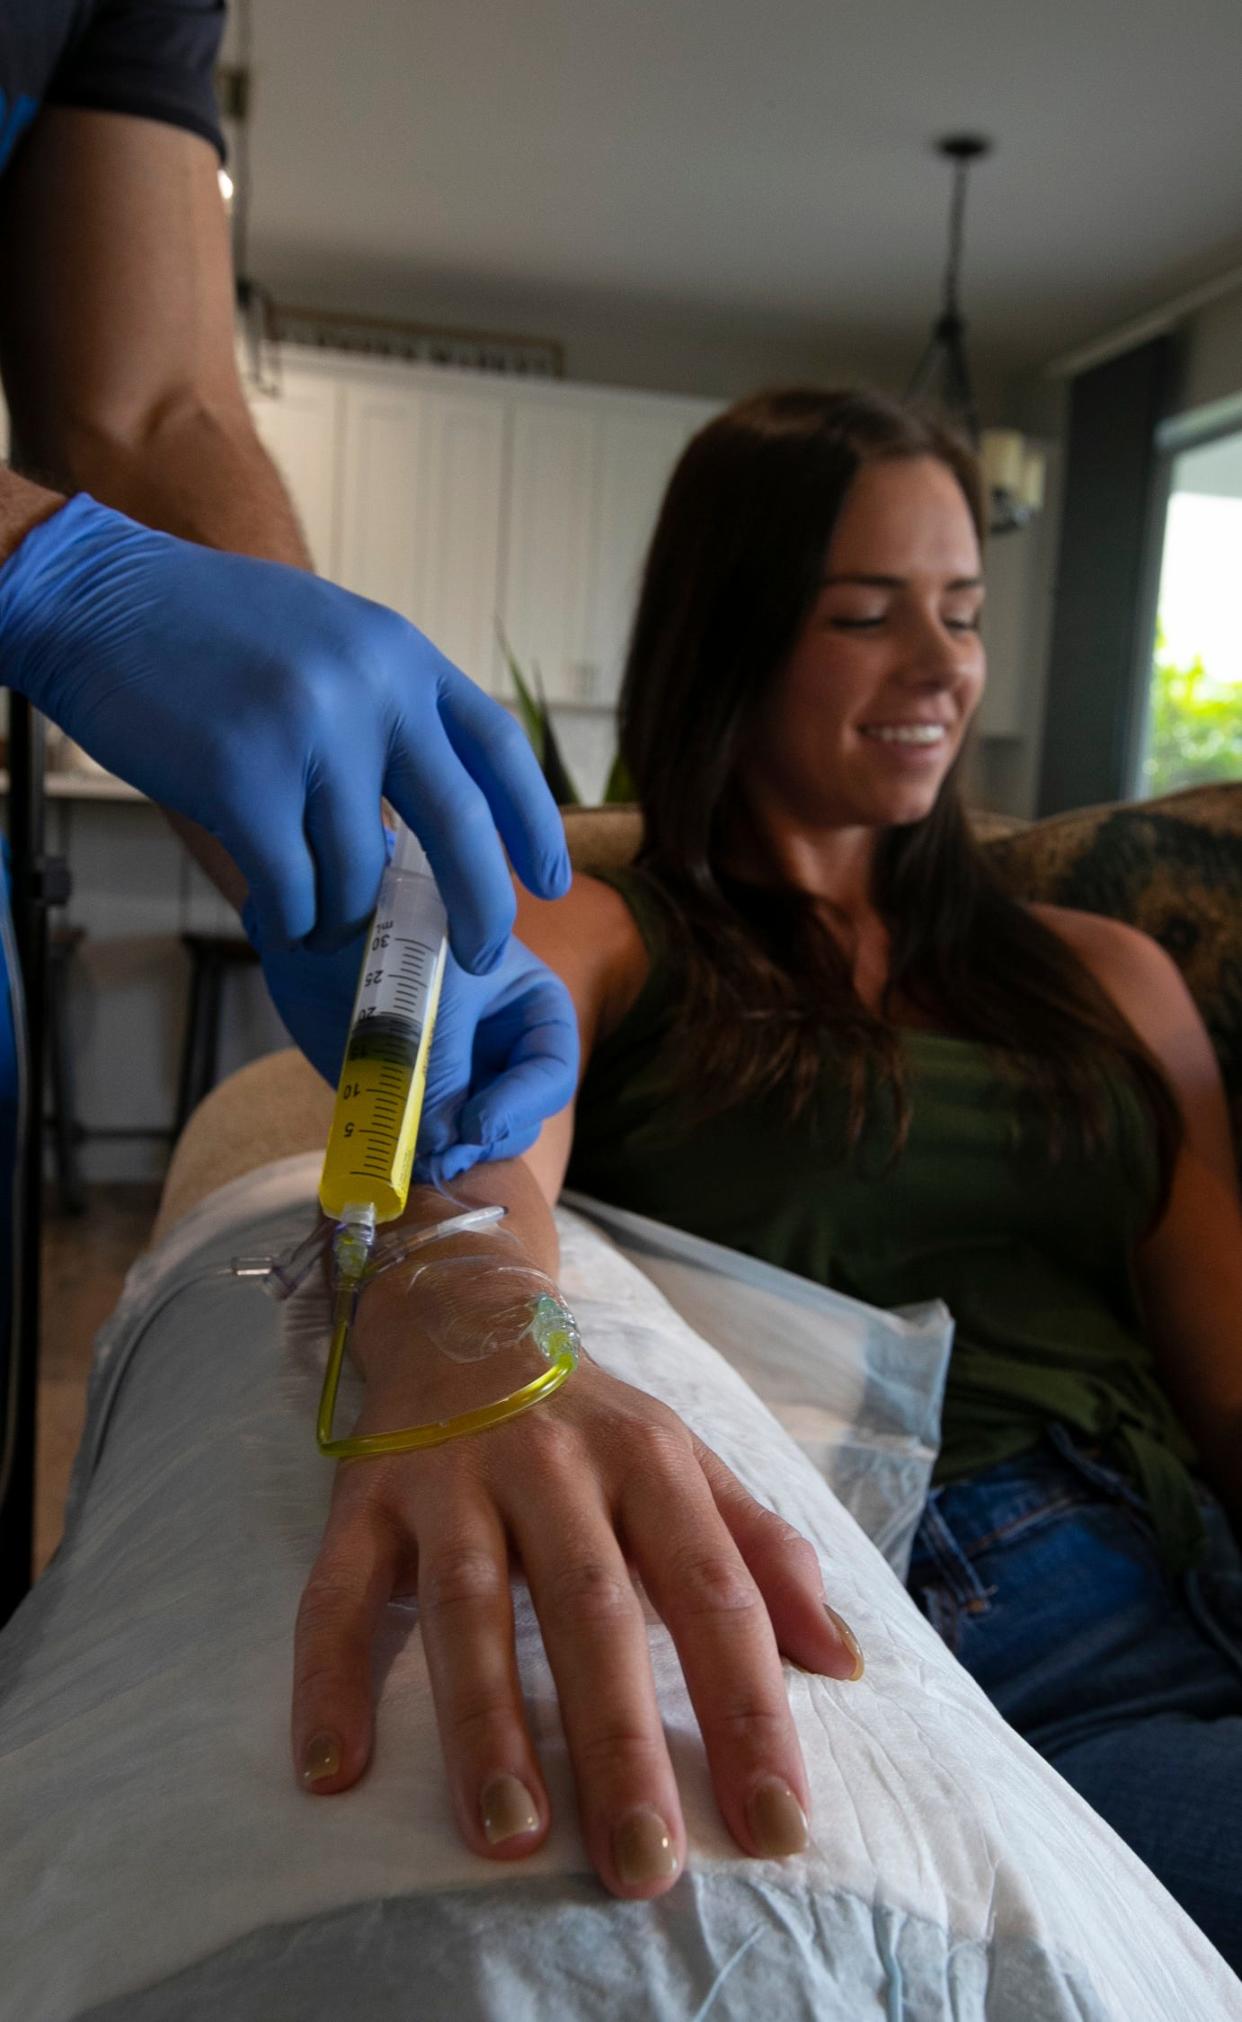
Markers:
(1032, 1258)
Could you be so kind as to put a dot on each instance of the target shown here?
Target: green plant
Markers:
(535, 713)
(1195, 727)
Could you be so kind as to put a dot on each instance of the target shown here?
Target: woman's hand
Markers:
(599, 1480)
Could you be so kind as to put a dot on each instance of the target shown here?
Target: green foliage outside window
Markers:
(1194, 731)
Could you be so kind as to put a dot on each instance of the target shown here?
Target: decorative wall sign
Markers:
(422, 343)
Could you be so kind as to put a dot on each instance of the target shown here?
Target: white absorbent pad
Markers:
(158, 1859)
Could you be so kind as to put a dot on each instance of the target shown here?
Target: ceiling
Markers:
(764, 161)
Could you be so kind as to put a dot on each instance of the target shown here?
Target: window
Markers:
(1194, 710)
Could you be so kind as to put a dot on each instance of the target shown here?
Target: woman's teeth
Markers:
(905, 733)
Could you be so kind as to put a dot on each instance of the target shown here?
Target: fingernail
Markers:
(850, 1641)
(777, 1821)
(507, 1808)
(321, 1758)
(643, 1850)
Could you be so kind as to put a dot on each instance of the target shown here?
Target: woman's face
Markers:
(873, 704)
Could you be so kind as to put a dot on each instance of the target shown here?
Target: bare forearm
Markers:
(23, 505)
(196, 471)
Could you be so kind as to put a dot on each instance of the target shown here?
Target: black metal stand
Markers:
(37, 883)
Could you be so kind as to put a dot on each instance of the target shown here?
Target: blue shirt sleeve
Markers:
(152, 58)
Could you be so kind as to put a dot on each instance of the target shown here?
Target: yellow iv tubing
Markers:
(370, 1154)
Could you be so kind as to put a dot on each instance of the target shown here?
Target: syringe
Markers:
(379, 1098)
(370, 1155)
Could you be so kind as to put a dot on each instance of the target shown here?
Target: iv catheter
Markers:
(370, 1153)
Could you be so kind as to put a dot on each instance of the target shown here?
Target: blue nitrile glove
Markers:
(504, 1055)
(274, 710)
(504, 1058)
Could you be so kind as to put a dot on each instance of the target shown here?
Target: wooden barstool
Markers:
(212, 956)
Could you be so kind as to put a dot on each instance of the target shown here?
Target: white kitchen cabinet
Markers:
(586, 483)
(637, 448)
(549, 541)
(459, 540)
(300, 425)
(463, 502)
(421, 498)
(381, 457)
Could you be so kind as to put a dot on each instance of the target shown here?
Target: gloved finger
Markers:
(346, 840)
(448, 1157)
(278, 868)
(519, 1100)
(498, 755)
(437, 1168)
(314, 994)
(432, 791)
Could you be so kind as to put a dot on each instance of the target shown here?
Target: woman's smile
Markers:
(915, 739)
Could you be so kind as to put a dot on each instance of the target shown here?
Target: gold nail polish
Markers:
(507, 1808)
(643, 1850)
(321, 1758)
(849, 1639)
(777, 1821)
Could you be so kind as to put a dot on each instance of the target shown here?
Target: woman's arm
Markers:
(1189, 1267)
(601, 1479)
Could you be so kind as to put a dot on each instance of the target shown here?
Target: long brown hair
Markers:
(766, 988)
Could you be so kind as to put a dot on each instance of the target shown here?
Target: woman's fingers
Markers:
(596, 1640)
(697, 1578)
(351, 1582)
(466, 1612)
(734, 1584)
(786, 1571)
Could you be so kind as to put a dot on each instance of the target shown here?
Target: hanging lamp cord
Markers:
(957, 215)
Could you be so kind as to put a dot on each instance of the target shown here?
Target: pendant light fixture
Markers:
(1014, 468)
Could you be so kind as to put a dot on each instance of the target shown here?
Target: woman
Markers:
(815, 1030)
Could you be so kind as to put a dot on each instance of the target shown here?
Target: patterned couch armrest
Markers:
(1172, 867)
(606, 838)
(602, 838)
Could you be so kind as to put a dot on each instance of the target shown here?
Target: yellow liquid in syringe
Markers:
(379, 1097)
(379, 1102)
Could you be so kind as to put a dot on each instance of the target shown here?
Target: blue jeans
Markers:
(1043, 1578)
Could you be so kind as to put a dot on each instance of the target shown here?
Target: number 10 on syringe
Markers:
(379, 1099)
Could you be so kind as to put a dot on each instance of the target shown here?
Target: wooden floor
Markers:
(85, 1258)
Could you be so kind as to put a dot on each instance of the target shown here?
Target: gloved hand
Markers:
(504, 1058)
(275, 710)
(504, 1055)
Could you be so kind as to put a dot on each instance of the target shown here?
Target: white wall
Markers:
(1213, 361)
